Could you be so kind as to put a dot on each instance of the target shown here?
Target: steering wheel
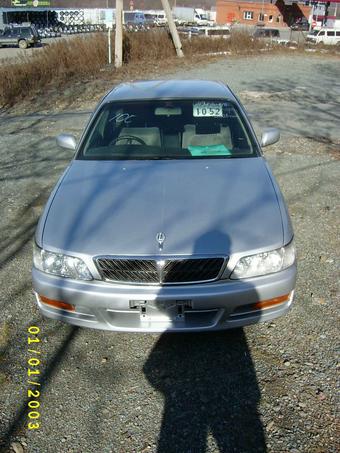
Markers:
(129, 139)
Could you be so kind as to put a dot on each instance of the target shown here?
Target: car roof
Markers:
(169, 89)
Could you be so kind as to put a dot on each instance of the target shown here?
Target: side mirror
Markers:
(66, 141)
(270, 136)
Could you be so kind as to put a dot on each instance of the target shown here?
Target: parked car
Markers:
(22, 36)
(133, 18)
(205, 32)
(264, 32)
(300, 25)
(150, 20)
(327, 36)
(161, 19)
(214, 32)
(167, 219)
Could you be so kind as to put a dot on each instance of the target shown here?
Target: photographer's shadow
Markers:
(209, 386)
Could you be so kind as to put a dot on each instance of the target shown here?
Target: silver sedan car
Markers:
(167, 219)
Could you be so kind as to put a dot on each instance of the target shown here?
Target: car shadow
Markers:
(41, 44)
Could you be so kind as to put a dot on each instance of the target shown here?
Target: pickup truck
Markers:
(22, 36)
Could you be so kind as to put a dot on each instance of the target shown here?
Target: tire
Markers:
(22, 44)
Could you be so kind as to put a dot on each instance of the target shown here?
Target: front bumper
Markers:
(219, 305)
(32, 41)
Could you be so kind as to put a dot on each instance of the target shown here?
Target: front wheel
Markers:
(23, 44)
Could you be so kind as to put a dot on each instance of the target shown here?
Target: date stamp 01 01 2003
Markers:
(33, 373)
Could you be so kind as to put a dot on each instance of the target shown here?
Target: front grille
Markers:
(167, 271)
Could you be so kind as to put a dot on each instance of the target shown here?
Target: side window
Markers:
(331, 33)
(321, 33)
(129, 16)
(337, 33)
(97, 137)
(25, 32)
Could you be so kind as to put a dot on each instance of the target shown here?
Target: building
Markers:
(326, 13)
(275, 13)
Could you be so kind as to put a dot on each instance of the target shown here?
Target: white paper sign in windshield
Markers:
(207, 109)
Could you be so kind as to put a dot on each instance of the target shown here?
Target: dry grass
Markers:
(81, 58)
(53, 64)
(76, 58)
(240, 42)
(148, 46)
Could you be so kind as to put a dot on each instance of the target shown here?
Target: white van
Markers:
(214, 32)
(329, 36)
(161, 19)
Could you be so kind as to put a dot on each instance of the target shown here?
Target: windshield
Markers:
(168, 130)
(129, 16)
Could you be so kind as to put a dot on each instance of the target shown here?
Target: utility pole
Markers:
(119, 34)
(311, 18)
(173, 29)
(109, 44)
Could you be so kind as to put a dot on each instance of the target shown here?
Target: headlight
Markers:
(265, 263)
(59, 264)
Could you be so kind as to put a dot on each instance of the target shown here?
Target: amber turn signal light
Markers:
(271, 302)
(56, 303)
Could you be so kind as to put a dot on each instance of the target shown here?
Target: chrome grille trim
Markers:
(145, 271)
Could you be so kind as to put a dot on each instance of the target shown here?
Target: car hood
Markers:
(214, 207)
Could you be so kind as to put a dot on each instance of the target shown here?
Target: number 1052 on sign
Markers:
(214, 110)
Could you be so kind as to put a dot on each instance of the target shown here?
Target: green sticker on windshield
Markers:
(209, 150)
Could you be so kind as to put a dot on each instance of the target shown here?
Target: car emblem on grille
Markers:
(160, 237)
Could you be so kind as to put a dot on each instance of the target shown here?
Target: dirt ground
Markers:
(265, 388)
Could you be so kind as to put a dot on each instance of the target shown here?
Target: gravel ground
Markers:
(269, 387)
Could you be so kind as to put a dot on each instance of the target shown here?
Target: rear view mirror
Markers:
(270, 136)
(168, 111)
(67, 141)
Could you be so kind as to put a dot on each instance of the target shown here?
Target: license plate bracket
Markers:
(161, 308)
